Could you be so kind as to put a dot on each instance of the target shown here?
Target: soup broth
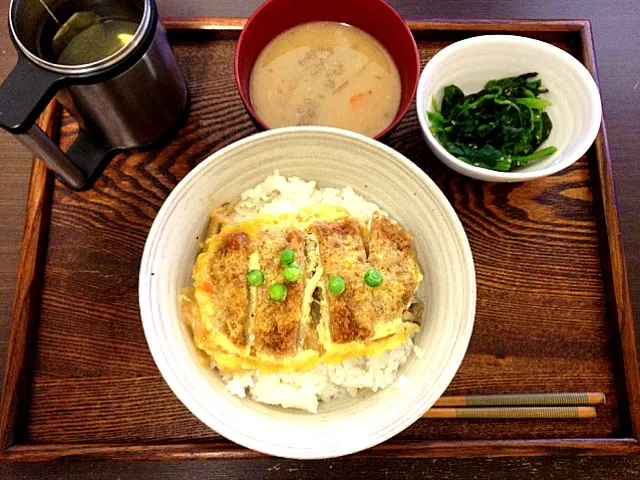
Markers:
(326, 73)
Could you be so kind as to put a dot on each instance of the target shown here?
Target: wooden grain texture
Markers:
(95, 382)
(616, 285)
(223, 451)
(616, 37)
(17, 381)
(544, 468)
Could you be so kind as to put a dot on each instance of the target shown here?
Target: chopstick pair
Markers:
(518, 406)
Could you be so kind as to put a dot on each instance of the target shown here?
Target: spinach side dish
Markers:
(499, 128)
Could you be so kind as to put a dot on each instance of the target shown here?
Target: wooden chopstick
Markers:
(518, 406)
(512, 412)
(528, 399)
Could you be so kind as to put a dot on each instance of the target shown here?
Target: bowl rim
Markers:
(217, 423)
(402, 111)
(525, 42)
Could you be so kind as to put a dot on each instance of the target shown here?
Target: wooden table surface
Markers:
(617, 39)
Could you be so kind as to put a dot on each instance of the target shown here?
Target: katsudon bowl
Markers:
(333, 158)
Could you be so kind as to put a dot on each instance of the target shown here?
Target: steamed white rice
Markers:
(279, 195)
(305, 390)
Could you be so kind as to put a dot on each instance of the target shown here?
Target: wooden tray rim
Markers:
(33, 251)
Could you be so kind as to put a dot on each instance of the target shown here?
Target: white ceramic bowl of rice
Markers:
(361, 402)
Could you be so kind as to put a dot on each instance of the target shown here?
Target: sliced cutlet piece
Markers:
(342, 253)
(276, 324)
(391, 252)
(228, 285)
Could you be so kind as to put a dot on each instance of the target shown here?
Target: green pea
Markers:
(292, 273)
(278, 292)
(336, 285)
(255, 278)
(287, 256)
(373, 277)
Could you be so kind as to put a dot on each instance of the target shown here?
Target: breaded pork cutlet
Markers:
(276, 323)
(342, 253)
(227, 285)
(242, 325)
(391, 252)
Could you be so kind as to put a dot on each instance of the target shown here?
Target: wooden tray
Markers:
(553, 305)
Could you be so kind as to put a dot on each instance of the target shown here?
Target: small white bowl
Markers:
(334, 158)
(576, 111)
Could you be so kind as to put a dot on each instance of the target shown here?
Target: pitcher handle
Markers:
(43, 148)
(25, 93)
(23, 96)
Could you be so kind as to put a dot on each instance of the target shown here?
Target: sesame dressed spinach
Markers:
(498, 128)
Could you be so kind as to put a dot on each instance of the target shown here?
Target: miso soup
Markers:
(326, 73)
